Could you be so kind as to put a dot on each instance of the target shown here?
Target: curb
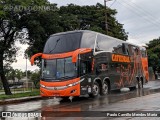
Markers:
(18, 100)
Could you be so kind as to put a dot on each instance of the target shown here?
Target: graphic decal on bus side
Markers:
(127, 73)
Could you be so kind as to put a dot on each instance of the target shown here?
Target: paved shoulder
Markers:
(17, 100)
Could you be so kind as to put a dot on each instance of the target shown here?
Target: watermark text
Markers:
(19, 8)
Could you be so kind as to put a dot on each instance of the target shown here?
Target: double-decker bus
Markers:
(84, 62)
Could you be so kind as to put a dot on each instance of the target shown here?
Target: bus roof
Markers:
(72, 40)
(93, 32)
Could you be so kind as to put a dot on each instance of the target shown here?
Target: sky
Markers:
(141, 19)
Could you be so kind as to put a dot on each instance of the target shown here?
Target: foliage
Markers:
(11, 25)
(35, 77)
(11, 74)
(153, 50)
(92, 18)
(35, 92)
(41, 24)
(66, 18)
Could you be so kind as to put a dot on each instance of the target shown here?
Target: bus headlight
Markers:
(42, 86)
(73, 84)
(70, 85)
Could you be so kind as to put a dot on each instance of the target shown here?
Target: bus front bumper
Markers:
(60, 89)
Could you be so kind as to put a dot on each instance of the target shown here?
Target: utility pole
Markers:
(26, 73)
(106, 22)
(26, 68)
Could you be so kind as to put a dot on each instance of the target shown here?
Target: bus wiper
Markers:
(55, 45)
(66, 77)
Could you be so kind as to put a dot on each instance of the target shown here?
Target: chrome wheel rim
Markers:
(140, 84)
(95, 89)
(105, 88)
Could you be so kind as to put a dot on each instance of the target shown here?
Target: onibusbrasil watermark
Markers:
(19, 8)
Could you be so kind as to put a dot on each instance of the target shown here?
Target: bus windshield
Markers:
(58, 69)
(62, 43)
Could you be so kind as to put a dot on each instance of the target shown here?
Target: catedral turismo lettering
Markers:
(120, 58)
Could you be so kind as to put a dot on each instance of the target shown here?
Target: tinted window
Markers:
(58, 69)
(133, 50)
(109, 44)
(70, 68)
(88, 40)
(63, 43)
(85, 67)
(49, 69)
(144, 53)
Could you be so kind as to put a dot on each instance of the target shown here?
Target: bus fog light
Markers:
(73, 91)
(83, 88)
(89, 80)
(89, 89)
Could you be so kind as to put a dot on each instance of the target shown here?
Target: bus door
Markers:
(85, 68)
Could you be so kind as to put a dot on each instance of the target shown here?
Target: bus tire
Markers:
(105, 88)
(96, 90)
(132, 88)
(65, 99)
(140, 84)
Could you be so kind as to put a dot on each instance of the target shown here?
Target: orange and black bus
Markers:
(84, 62)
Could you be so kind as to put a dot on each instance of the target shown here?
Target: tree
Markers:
(18, 74)
(35, 77)
(92, 18)
(40, 26)
(67, 18)
(11, 25)
(11, 74)
(153, 50)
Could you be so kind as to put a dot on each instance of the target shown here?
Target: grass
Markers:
(35, 92)
(18, 89)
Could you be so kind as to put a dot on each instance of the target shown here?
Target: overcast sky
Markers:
(141, 19)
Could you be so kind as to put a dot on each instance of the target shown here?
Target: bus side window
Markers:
(85, 67)
(130, 49)
(127, 52)
(120, 49)
(136, 50)
(133, 50)
(124, 50)
(144, 53)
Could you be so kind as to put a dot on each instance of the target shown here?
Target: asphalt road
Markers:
(146, 99)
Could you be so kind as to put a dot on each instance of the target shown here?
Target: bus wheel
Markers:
(140, 84)
(96, 90)
(132, 88)
(65, 99)
(105, 88)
